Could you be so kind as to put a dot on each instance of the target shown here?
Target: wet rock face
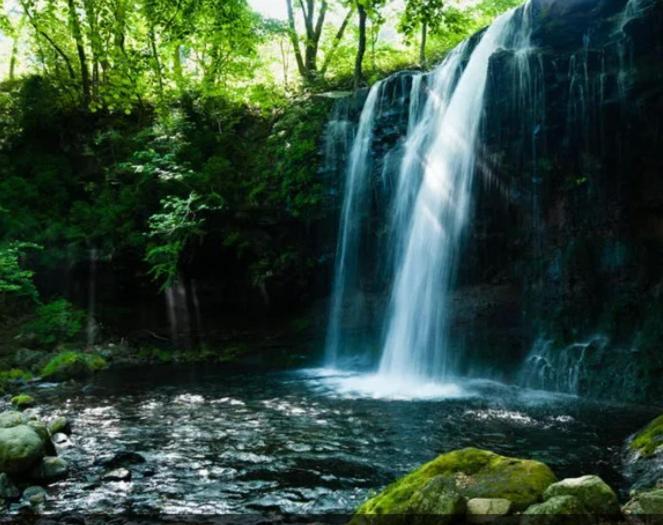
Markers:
(565, 241)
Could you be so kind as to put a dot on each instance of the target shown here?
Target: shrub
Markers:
(55, 322)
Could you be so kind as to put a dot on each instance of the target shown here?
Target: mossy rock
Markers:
(22, 401)
(11, 418)
(21, 447)
(556, 506)
(59, 425)
(594, 494)
(72, 365)
(648, 440)
(649, 502)
(471, 473)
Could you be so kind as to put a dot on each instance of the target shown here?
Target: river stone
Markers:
(471, 473)
(7, 489)
(564, 505)
(21, 447)
(23, 401)
(649, 502)
(50, 469)
(592, 492)
(35, 495)
(120, 474)
(11, 418)
(60, 425)
(488, 507)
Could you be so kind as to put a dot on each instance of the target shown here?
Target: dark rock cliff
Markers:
(562, 266)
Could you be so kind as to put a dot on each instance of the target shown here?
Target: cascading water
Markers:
(415, 345)
(429, 206)
(345, 290)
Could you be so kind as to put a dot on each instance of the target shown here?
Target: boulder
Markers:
(470, 473)
(21, 447)
(72, 365)
(643, 459)
(8, 490)
(35, 495)
(11, 418)
(478, 509)
(41, 429)
(594, 495)
(49, 469)
(649, 440)
(648, 502)
(23, 401)
(60, 425)
(557, 505)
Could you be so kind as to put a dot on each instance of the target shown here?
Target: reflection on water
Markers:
(305, 442)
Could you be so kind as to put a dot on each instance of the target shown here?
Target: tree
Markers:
(422, 16)
(313, 14)
(365, 9)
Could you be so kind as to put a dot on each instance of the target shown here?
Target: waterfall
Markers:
(345, 290)
(428, 203)
(442, 149)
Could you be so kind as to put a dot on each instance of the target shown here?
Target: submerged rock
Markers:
(21, 447)
(470, 473)
(121, 459)
(593, 494)
(50, 469)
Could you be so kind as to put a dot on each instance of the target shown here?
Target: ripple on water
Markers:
(310, 442)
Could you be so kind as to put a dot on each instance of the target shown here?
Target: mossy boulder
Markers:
(22, 401)
(558, 505)
(594, 494)
(21, 447)
(11, 418)
(470, 473)
(59, 425)
(72, 365)
(648, 502)
(648, 441)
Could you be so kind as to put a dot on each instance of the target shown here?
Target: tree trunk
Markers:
(361, 48)
(155, 57)
(422, 48)
(337, 41)
(13, 59)
(292, 31)
(177, 67)
(80, 50)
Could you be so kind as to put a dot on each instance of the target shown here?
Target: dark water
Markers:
(243, 442)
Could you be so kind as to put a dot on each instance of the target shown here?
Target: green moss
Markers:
(470, 472)
(23, 401)
(72, 365)
(648, 440)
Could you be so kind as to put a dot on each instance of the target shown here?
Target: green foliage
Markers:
(650, 439)
(55, 322)
(72, 365)
(14, 279)
(178, 223)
